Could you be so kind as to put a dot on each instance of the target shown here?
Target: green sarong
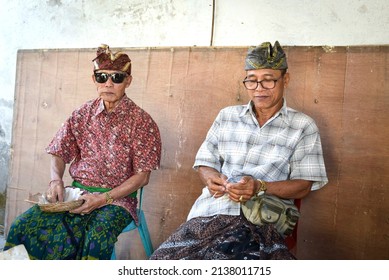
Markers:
(66, 236)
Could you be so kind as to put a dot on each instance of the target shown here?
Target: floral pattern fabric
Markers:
(105, 149)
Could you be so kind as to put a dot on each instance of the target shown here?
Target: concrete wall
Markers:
(135, 23)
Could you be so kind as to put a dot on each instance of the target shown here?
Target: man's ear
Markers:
(286, 79)
(93, 78)
(129, 80)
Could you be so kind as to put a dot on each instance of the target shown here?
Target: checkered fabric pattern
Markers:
(287, 147)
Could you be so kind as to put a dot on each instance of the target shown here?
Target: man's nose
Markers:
(109, 82)
(259, 87)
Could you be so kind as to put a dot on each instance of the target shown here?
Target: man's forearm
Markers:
(57, 168)
(206, 172)
(132, 184)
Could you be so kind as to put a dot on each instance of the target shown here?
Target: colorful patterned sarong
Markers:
(223, 237)
(62, 236)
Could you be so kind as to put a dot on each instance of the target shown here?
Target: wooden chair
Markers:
(142, 229)
(291, 240)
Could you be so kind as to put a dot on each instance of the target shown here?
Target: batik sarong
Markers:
(223, 237)
(62, 236)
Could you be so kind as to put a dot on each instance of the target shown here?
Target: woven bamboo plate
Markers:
(60, 206)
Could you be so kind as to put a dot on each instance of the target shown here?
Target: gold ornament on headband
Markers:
(106, 60)
(266, 56)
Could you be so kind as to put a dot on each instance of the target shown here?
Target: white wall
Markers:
(40, 24)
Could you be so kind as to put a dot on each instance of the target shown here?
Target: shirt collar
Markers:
(101, 108)
(283, 112)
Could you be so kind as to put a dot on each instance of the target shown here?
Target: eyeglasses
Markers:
(116, 78)
(265, 84)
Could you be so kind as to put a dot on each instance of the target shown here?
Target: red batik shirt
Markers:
(105, 149)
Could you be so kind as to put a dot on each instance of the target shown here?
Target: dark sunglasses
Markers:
(116, 78)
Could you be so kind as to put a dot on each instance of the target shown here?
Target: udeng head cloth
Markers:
(106, 60)
(266, 56)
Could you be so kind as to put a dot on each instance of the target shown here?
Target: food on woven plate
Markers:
(60, 206)
(71, 201)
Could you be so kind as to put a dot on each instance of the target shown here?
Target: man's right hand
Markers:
(56, 191)
(215, 181)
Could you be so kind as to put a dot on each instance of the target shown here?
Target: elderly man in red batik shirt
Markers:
(112, 145)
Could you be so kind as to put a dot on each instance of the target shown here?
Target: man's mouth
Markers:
(261, 96)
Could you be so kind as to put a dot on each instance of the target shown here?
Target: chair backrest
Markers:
(140, 199)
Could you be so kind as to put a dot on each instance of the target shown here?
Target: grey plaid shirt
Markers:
(287, 147)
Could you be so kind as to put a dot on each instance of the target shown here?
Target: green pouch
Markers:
(269, 209)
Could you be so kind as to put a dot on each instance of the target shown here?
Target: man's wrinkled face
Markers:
(266, 87)
(111, 84)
